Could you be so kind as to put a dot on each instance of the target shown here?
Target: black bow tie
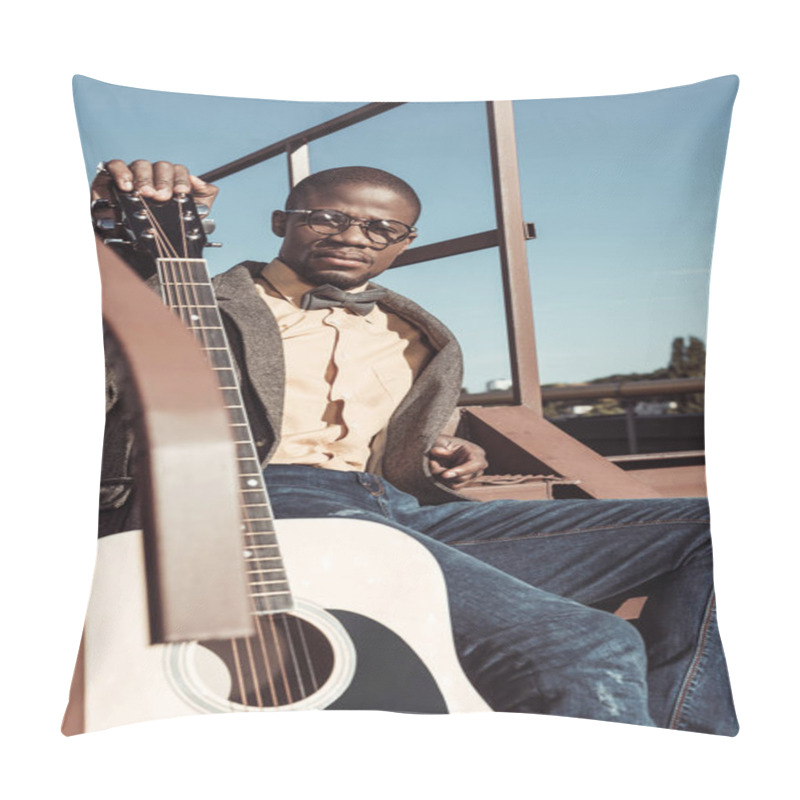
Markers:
(327, 296)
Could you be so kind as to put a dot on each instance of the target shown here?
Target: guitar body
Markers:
(380, 636)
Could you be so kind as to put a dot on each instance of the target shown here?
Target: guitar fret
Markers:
(256, 521)
(266, 583)
(248, 455)
(188, 291)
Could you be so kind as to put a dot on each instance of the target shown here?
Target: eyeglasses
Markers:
(379, 231)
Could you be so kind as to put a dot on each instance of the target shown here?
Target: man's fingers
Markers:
(142, 177)
(157, 181)
(456, 461)
(471, 469)
(114, 172)
(120, 174)
(436, 467)
(203, 192)
(163, 180)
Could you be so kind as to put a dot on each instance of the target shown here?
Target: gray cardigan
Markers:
(257, 349)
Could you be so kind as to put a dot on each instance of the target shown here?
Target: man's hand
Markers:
(157, 181)
(456, 461)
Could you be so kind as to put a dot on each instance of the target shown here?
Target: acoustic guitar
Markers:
(348, 614)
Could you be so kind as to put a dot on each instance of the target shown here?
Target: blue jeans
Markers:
(531, 585)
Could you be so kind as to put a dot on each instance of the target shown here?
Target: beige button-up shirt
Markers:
(345, 375)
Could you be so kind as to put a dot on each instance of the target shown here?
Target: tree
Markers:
(687, 360)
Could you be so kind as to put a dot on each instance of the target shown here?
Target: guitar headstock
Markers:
(142, 230)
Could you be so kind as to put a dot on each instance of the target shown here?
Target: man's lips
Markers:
(339, 257)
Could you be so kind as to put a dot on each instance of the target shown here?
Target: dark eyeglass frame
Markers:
(364, 224)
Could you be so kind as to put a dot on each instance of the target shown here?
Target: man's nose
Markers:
(353, 235)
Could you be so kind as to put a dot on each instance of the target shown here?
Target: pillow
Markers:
(388, 564)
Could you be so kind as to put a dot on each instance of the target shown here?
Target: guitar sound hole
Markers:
(287, 660)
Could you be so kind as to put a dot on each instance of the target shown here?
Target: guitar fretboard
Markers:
(187, 290)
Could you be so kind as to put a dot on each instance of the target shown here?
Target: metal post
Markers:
(299, 163)
(513, 255)
(630, 427)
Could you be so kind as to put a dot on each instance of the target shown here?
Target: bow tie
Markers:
(327, 296)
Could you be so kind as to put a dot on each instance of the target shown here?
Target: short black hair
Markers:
(328, 178)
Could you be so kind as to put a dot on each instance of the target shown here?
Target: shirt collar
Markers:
(286, 282)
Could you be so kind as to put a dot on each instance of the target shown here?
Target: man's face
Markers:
(347, 259)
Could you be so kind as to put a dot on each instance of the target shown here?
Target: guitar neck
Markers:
(186, 289)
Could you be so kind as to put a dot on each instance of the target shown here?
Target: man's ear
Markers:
(279, 223)
(406, 242)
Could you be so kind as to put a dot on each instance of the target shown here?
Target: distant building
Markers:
(499, 385)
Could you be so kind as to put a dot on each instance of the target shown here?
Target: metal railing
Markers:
(519, 424)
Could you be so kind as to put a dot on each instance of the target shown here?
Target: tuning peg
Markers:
(213, 244)
(209, 226)
(202, 209)
(106, 225)
(102, 204)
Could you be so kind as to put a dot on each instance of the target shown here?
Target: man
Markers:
(348, 387)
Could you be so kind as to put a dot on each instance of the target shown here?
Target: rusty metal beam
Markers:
(675, 481)
(517, 439)
(448, 247)
(455, 247)
(513, 255)
(673, 455)
(296, 139)
(628, 389)
(593, 391)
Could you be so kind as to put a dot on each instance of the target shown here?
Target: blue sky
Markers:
(623, 190)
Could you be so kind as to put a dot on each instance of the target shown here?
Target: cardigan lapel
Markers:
(262, 351)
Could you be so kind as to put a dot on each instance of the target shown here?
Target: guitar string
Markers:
(167, 254)
(188, 281)
(293, 654)
(189, 287)
(285, 619)
(182, 277)
(164, 245)
(171, 289)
